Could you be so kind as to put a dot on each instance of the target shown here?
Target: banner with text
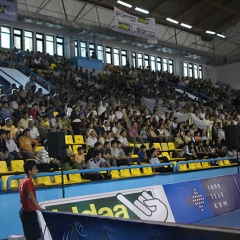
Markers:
(133, 25)
(8, 10)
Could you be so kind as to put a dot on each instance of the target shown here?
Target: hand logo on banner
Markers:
(146, 207)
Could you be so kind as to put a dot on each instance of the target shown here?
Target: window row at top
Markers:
(192, 70)
(119, 57)
(27, 40)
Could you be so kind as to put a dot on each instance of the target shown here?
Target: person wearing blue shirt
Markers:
(142, 154)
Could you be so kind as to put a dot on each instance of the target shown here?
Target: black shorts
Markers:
(30, 224)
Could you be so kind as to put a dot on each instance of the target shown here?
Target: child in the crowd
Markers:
(142, 154)
(143, 132)
(80, 158)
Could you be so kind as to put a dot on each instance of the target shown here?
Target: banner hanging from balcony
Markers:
(8, 10)
(133, 25)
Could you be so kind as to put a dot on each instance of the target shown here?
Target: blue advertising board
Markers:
(188, 201)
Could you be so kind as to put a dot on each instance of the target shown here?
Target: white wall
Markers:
(229, 74)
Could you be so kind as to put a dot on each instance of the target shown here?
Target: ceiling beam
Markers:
(80, 11)
(157, 5)
(225, 22)
(185, 9)
(64, 9)
(222, 7)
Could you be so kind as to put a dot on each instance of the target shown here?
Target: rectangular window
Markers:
(5, 37)
(92, 53)
(124, 57)
(200, 72)
(50, 44)
(28, 41)
(190, 70)
(108, 55)
(17, 38)
(83, 49)
(60, 46)
(185, 69)
(195, 71)
(153, 63)
(159, 64)
(76, 48)
(146, 61)
(100, 55)
(170, 66)
(134, 59)
(116, 57)
(39, 42)
(165, 65)
(140, 60)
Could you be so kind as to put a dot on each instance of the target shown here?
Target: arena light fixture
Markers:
(186, 25)
(141, 10)
(220, 35)
(210, 32)
(172, 20)
(124, 4)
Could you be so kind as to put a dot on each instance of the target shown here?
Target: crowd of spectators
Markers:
(108, 108)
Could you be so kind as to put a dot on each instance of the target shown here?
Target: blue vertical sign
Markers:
(188, 201)
(222, 194)
(8, 10)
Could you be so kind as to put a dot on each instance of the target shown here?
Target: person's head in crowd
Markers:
(187, 132)
(190, 144)
(58, 117)
(106, 123)
(113, 143)
(143, 127)
(30, 123)
(26, 132)
(107, 145)
(97, 146)
(97, 155)
(119, 144)
(4, 104)
(93, 133)
(25, 115)
(34, 106)
(80, 150)
(8, 122)
(150, 145)
(153, 152)
(2, 133)
(143, 148)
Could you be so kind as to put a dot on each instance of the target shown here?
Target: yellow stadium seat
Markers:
(76, 177)
(75, 147)
(17, 165)
(58, 179)
(125, 173)
(192, 166)
(157, 145)
(38, 148)
(205, 164)
(164, 147)
(171, 146)
(131, 144)
(221, 163)
(166, 154)
(78, 139)
(226, 162)
(136, 172)
(55, 114)
(198, 165)
(46, 181)
(4, 169)
(69, 139)
(183, 167)
(13, 183)
(115, 174)
(148, 171)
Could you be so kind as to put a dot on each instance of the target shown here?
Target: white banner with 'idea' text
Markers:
(133, 25)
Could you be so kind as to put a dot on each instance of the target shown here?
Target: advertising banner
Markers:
(188, 201)
(222, 194)
(143, 204)
(8, 10)
(133, 25)
(67, 226)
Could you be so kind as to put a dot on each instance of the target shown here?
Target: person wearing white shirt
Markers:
(102, 108)
(92, 139)
(33, 131)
